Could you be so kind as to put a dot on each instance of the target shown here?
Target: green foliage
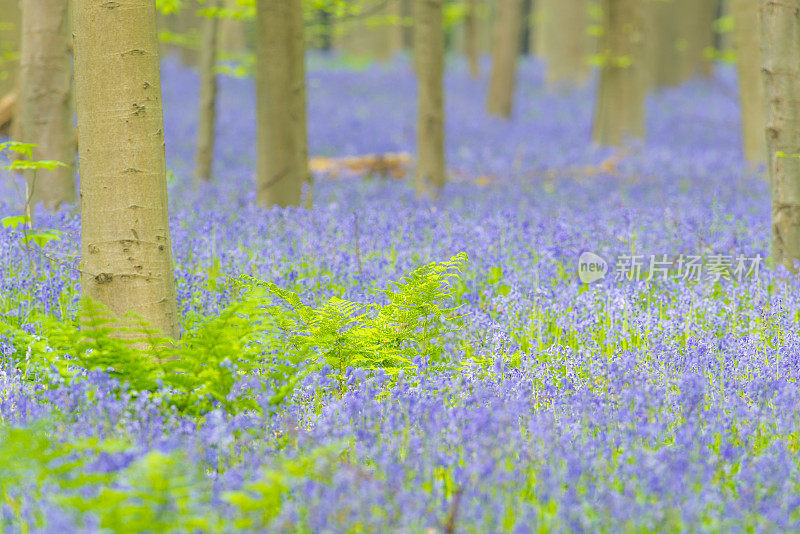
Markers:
(31, 461)
(724, 56)
(607, 59)
(29, 234)
(189, 40)
(169, 6)
(453, 13)
(23, 149)
(414, 322)
(724, 24)
(158, 492)
(266, 331)
(27, 165)
(193, 374)
(14, 221)
(258, 502)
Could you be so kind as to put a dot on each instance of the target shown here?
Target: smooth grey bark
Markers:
(282, 167)
(696, 35)
(619, 112)
(429, 54)
(45, 109)
(208, 97)
(232, 32)
(662, 43)
(126, 248)
(563, 40)
(471, 42)
(11, 18)
(780, 48)
(747, 39)
(504, 58)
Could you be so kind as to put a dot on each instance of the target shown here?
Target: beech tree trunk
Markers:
(696, 18)
(619, 112)
(384, 33)
(661, 43)
(563, 40)
(471, 39)
(126, 247)
(747, 39)
(9, 45)
(300, 102)
(45, 111)
(780, 46)
(232, 32)
(185, 23)
(208, 97)
(429, 53)
(280, 85)
(504, 57)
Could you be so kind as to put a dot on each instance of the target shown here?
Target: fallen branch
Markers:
(390, 165)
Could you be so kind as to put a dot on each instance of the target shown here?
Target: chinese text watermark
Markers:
(640, 267)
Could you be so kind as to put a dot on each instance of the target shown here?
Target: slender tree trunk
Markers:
(208, 97)
(45, 107)
(661, 43)
(696, 18)
(280, 83)
(504, 60)
(563, 40)
(751, 89)
(429, 52)
(780, 45)
(126, 247)
(9, 45)
(619, 112)
(471, 42)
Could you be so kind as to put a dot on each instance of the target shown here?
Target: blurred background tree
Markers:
(625, 47)
(45, 100)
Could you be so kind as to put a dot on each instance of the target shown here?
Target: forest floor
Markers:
(660, 397)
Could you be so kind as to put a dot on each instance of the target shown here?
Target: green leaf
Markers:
(15, 221)
(41, 238)
(26, 149)
(24, 164)
(168, 6)
(724, 24)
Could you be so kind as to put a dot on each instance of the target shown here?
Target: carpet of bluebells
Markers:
(632, 404)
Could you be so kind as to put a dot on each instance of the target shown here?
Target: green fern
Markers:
(267, 332)
(193, 374)
(345, 334)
